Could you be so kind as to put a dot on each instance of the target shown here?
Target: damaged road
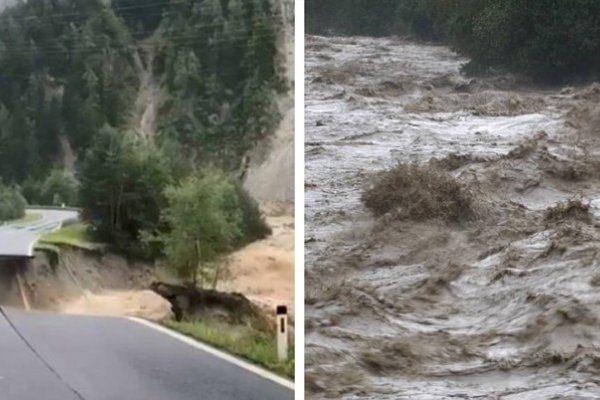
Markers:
(56, 356)
(17, 240)
(65, 357)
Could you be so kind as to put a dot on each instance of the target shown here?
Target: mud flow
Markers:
(501, 305)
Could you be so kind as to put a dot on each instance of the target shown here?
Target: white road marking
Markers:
(22, 291)
(211, 350)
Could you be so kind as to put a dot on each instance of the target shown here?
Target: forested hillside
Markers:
(110, 104)
(69, 67)
(548, 40)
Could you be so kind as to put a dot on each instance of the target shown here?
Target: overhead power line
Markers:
(166, 4)
(39, 49)
(75, 14)
(181, 41)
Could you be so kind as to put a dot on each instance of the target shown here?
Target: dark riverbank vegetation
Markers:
(549, 41)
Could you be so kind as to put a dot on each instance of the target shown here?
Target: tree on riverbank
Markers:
(204, 222)
(207, 216)
(547, 40)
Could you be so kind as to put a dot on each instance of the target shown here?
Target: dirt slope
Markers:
(83, 283)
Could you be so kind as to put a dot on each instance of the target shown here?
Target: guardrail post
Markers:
(282, 333)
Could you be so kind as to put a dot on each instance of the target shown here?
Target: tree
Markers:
(122, 182)
(204, 223)
(254, 226)
(60, 187)
(12, 204)
(548, 40)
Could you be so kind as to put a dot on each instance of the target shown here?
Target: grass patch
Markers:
(27, 219)
(76, 235)
(243, 341)
(416, 192)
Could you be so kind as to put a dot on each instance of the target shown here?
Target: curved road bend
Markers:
(18, 240)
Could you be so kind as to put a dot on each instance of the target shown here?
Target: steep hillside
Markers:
(131, 109)
(195, 77)
(270, 176)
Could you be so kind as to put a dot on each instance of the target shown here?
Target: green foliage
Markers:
(243, 341)
(221, 83)
(122, 182)
(60, 187)
(31, 189)
(63, 79)
(548, 40)
(12, 203)
(254, 227)
(76, 235)
(207, 217)
(69, 76)
(204, 222)
(59, 77)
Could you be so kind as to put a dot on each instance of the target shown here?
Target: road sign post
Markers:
(282, 333)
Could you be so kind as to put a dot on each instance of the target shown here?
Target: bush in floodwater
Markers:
(12, 203)
(417, 192)
(573, 209)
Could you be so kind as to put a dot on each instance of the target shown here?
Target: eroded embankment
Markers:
(97, 283)
(502, 304)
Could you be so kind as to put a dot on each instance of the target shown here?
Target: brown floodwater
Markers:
(504, 306)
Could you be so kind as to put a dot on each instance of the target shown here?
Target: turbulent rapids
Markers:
(503, 305)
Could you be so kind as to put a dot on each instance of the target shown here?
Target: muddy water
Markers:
(506, 306)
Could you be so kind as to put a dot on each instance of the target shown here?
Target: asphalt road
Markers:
(18, 240)
(67, 357)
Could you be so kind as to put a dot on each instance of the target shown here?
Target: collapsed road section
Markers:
(54, 356)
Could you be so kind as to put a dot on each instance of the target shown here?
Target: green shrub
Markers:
(254, 226)
(31, 189)
(122, 182)
(203, 223)
(12, 203)
(60, 187)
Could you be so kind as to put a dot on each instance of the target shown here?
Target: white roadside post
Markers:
(282, 333)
